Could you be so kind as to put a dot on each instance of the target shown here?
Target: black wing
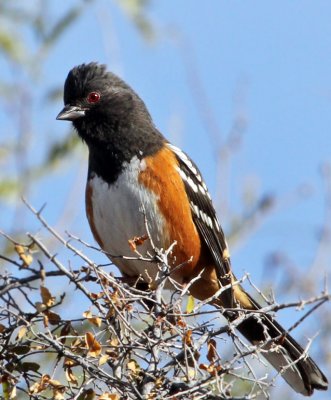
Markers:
(204, 215)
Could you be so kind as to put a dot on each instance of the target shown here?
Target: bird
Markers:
(139, 185)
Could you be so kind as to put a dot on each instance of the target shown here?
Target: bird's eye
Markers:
(93, 97)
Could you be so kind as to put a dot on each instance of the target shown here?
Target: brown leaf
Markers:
(134, 368)
(159, 382)
(30, 366)
(69, 362)
(22, 332)
(103, 359)
(46, 297)
(96, 296)
(45, 319)
(188, 338)
(26, 258)
(53, 318)
(78, 345)
(58, 392)
(94, 320)
(212, 368)
(212, 353)
(65, 332)
(137, 241)
(40, 307)
(88, 394)
(55, 384)
(71, 377)
(12, 392)
(109, 396)
(24, 349)
(113, 351)
(2, 328)
(41, 385)
(94, 347)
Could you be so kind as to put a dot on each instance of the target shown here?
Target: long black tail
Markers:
(284, 353)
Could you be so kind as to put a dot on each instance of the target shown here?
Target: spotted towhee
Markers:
(136, 177)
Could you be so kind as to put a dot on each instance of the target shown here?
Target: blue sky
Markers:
(273, 56)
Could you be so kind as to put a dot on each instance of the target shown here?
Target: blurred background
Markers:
(243, 87)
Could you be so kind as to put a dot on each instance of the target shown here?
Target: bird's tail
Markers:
(283, 353)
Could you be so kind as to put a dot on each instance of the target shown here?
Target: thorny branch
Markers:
(114, 341)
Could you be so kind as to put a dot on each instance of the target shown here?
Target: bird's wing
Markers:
(204, 214)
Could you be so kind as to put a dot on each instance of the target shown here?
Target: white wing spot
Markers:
(202, 190)
(193, 185)
(210, 222)
(198, 176)
(188, 179)
(185, 159)
(182, 174)
(195, 209)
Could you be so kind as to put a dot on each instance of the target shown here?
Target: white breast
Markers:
(119, 213)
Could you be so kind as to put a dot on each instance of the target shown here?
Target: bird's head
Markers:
(98, 102)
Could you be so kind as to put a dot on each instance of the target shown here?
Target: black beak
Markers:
(70, 113)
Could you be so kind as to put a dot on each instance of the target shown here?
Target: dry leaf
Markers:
(109, 396)
(58, 394)
(46, 297)
(69, 362)
(41, 385)
(137, 241)
(87, 314)
(71, 377)
(40, 307)
(2, 328)
(188, 338)
(94, 347)
(55, 384)
(65, 332)
(103, 359)
(58, 390)
(159, 382)
(30, 366)
(24, 256)
(45, 319)
(94, 320)
(22, 332)
(88, 394)
(24, 349)
(190, 304)
(212, 353)
(12, 394)
(53, 318)
(78, 345)
(134, 368)
(212, 368)
(96, 296)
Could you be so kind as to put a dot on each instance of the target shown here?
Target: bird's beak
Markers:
(70, 113)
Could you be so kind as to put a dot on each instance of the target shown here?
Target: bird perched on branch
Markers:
(136, 177)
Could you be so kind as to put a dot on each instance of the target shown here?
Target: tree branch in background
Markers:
(113, 341)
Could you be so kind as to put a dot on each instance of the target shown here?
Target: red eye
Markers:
(93, 97)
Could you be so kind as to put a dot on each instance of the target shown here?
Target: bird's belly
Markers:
(120, 212)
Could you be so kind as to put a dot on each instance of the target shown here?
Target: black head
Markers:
(110, 117)
(98, 103)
